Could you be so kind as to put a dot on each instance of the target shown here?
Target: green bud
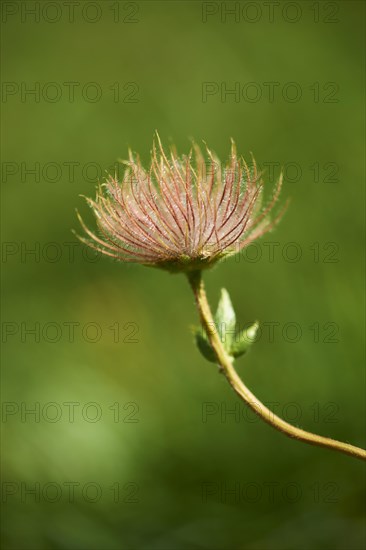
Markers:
(225, 320)
(204, 345)
(234, 343)
(243, 340)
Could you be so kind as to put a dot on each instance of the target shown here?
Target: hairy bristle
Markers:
(187, 207)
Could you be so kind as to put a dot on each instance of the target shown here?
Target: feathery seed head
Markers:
(184, 213)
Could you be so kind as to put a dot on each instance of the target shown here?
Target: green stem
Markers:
(226, 364)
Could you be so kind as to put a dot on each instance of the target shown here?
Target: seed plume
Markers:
(184, 212)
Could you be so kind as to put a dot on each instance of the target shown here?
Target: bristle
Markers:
(180, 208)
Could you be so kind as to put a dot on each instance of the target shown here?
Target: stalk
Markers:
(226, 364)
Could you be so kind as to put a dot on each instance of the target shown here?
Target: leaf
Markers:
(204, 346)
(225, 320)
(243, 340)
(235, 344)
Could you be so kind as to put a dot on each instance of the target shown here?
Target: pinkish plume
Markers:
(185, 213)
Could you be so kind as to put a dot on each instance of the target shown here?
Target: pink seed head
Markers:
(184, 213)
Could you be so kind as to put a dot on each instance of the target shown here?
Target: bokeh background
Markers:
(158, 450)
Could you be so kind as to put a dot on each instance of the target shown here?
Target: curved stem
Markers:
(226, 363)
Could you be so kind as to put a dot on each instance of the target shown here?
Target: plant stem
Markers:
(226, 364)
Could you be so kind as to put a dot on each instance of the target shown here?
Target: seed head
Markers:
(184, 213)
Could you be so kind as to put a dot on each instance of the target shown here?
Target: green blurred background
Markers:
(151, 417)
